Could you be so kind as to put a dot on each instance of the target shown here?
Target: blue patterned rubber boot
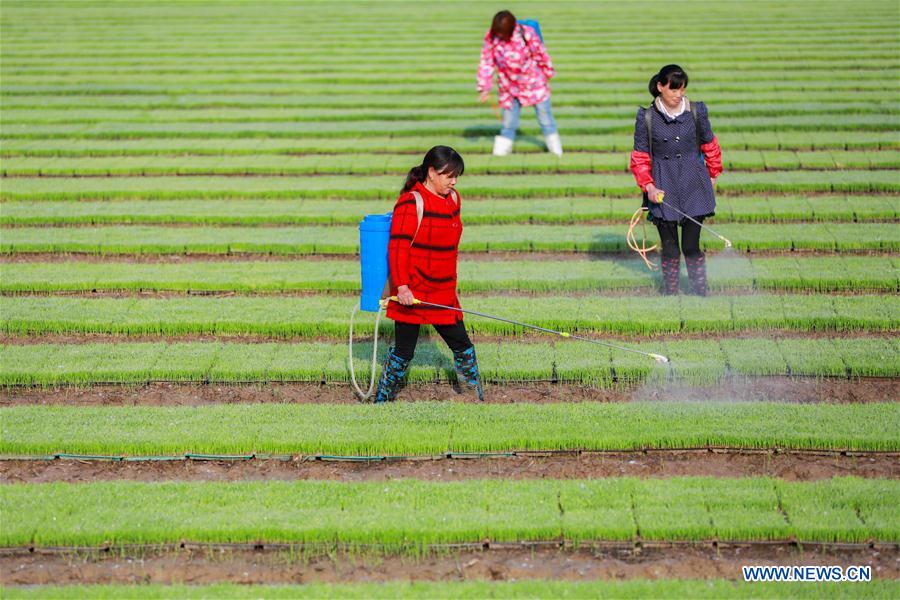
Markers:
(467, 368)
(696, 268)
(393, 371)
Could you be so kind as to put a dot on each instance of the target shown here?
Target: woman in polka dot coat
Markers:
(685, 161)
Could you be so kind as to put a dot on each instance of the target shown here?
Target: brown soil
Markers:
(55, 257)
(789, 465)
(784, 389)
(200, 565)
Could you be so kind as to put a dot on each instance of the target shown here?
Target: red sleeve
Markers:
(403, 227)
(713, 154)
(642, 168)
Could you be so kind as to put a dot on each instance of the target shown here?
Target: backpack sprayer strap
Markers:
(420, 208)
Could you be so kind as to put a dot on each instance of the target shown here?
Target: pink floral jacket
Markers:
(523, 67)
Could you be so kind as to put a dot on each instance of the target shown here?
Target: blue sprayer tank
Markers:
(374, 233)
(532, 23)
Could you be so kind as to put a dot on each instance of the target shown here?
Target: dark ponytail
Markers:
(503, 25)
(670, 75)
(442, 159)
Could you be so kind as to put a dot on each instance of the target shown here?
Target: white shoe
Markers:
(502, 145)
(554, 144)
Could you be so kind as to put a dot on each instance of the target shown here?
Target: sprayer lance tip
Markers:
(728, 243)
(659, 358)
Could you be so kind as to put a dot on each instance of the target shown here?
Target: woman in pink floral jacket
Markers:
(523, 68)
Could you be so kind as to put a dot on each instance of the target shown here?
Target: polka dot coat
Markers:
(678, 165)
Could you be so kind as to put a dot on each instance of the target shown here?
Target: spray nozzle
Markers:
(659, 358)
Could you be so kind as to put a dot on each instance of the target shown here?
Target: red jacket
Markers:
(427, 264)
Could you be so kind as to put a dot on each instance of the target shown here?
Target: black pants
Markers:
(690, 238)
(406, 335)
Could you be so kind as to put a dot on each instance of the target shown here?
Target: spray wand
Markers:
(657, 357)
(689, 217)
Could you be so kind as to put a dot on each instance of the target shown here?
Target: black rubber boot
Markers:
(696, 268)
(393, 372)
(671, 272)
(466, 364)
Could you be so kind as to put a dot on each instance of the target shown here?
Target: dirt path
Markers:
(789, 465)
(205, 566)
(752, 389)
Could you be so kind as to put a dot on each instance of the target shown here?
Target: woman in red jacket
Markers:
(422, 254)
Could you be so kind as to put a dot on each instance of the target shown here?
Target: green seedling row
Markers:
(357, 75)
(408, 512)
(621, 143)
(367, 88)
(737, 209)
(320, 316)
(761, 102)
(347, 164)
(845, 237)
(785, 274)
(426, 428)
(694, 362)
(387, 187)
(711, 589)
(485, 127)
(752, 106)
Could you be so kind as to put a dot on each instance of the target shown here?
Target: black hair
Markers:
(503, 25)
(442, 159)
(670, 75)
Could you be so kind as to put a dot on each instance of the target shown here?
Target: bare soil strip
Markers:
(789, 465)
(199, 565)
(802, 390)
(59, 257)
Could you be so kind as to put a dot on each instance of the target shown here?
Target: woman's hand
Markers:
(655, 194)
(483, 96)
(405, 296)
(713, 180)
